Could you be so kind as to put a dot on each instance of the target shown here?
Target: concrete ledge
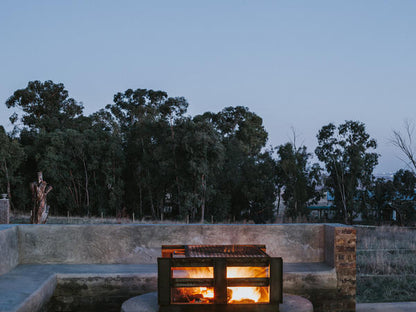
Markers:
(29, 287)
(141, 243)
(148, 303)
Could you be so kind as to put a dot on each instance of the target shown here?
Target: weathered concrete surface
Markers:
(387, 307)
(104, 287)
(4, 211)
(148, 303)
(30, 287)
(329, 244)
(141, 243)
(9, 252)
(329, 285)
(98, 293)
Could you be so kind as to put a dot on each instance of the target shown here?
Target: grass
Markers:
(386, 264)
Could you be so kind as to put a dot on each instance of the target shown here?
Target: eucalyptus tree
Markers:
(200, 159)
(79, 155)
(381, 195)
(300, 180)
(11, 157)
(404, 198)
(45, 106)
(346, 152)
(243, 137)
(147, 120)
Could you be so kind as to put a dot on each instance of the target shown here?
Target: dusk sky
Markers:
(297, 64)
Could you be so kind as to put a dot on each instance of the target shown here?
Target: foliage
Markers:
(46, 106)
(345, 152)
(299, 180)
(11, 158)
(143, 155)
(404, 198)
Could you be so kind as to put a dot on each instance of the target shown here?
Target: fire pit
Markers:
(219, 278)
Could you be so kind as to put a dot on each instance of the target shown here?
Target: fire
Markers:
(247, 294)
(234, 294)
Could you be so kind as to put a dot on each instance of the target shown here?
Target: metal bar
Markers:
(249, 262)
(192, 262)
(234, 261)
(256, 282)
(192, 282)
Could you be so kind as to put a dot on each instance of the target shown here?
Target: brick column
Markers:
(345, 266)
(4, 211)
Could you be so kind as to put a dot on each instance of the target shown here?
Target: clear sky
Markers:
(299, 64)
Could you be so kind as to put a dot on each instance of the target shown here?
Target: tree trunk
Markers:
(178, 188)
(204, 188)
(9, 193)
(87, 194)
(40, 208)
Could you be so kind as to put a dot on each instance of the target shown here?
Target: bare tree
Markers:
(404, 141)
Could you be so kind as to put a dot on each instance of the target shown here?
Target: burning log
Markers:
(40, 208)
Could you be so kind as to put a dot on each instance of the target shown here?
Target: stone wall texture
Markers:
(332, 246)
(344, 257)
(4, 211)
(137, 244)
(9, 256)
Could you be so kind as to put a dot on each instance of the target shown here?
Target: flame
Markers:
(247, 294)
(234, 294)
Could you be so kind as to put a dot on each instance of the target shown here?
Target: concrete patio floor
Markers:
(387, 307)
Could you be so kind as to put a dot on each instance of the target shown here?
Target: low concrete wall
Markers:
(141, 243)
(4, 211)
(96, 294)
(9, 256)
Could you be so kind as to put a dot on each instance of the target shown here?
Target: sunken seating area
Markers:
(98, 267)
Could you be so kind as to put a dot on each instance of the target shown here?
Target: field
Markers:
(386, 264)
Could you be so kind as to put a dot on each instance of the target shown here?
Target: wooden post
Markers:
(133, 217)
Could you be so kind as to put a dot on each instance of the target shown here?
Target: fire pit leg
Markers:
(220, 278)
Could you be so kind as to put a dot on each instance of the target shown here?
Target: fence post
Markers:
(4, 210)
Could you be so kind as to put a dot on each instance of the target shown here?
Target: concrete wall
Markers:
(329, 244)
(141, 243)
(4, 211)
(9, 256)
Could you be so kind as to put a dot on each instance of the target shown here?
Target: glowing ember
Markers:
(234, 294)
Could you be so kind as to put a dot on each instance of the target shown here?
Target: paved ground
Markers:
(387, 307)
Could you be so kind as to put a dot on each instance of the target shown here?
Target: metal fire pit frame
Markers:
(220, 282)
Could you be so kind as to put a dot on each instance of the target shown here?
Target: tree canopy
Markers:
(346, 152)
(145, 155)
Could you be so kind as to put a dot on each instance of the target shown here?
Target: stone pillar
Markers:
(340, 248)
(4, 209)
(345, 266)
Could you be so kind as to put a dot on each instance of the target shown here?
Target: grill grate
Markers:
(224, 251)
